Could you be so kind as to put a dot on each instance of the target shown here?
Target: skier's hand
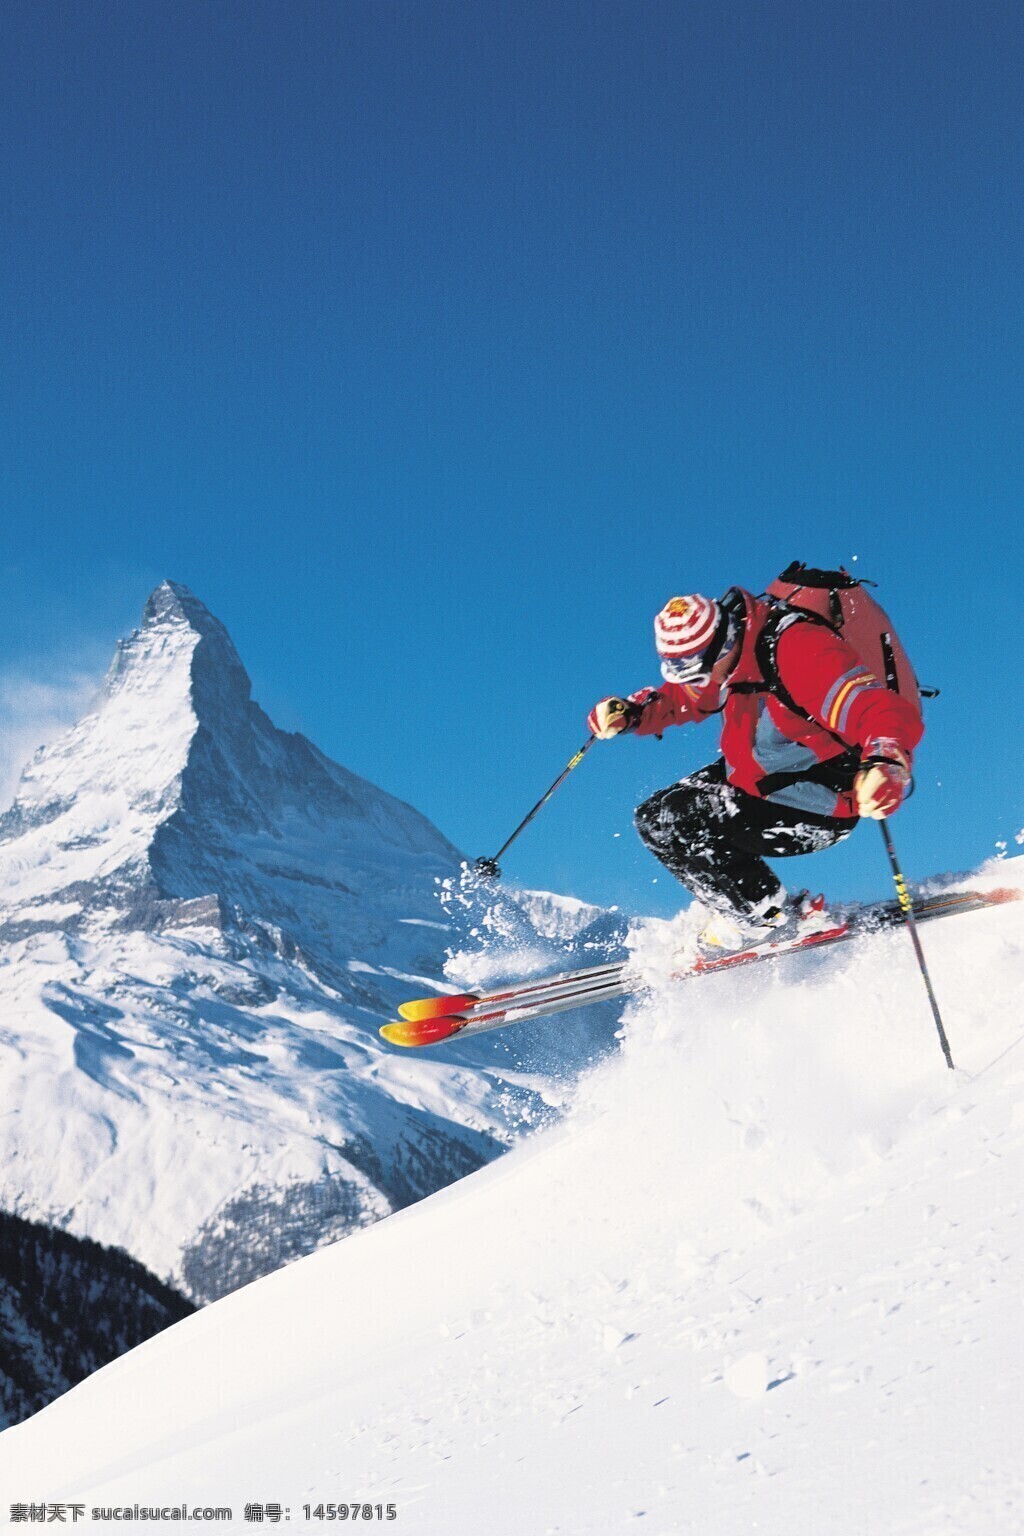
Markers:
(881, 784)
(611, 716)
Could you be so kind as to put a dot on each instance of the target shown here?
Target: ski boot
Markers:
(783, 917)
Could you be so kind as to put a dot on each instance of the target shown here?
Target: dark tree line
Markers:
(67, 1307)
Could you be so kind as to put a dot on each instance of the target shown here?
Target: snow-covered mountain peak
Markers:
(176, 787)
(173, 602)
(203, 923)
(176, 626)
(132, 744)
(88, 805)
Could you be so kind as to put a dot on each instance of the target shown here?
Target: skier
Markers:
(811, 741)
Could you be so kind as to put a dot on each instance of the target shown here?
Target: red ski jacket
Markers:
(762, 738)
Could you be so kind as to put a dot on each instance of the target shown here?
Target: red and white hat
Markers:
(686, 626)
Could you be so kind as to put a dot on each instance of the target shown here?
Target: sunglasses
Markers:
(696, 670)
(686, 669)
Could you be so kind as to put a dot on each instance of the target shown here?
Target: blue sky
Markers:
(435, 345)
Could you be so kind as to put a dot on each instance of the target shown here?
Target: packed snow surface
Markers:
(765, 1277)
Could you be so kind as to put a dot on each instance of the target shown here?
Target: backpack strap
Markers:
(780, 618)
(836, 772)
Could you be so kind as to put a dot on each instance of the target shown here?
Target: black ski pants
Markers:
(714, 838)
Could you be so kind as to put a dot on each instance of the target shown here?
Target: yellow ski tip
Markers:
(411, 1033)
(437, 1007)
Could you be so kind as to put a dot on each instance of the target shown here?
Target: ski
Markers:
(449, 1003)
(452, 1004)
(410, 1033)
(470, 1013)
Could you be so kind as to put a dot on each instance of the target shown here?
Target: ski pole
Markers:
(488, 868)
(907, 907)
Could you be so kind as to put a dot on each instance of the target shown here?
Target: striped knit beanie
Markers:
(686, 626)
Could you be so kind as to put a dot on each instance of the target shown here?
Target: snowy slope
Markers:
(203, 922)
(559, 917)
(765, 1278)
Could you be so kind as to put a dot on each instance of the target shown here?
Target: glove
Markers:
(612, 716)
(882, 782)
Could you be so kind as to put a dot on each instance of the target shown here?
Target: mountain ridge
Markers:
(175, 740)
(203, 922)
